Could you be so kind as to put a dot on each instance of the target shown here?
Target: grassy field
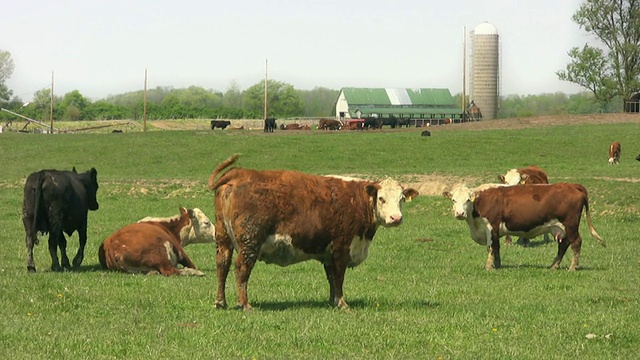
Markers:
(423, 292)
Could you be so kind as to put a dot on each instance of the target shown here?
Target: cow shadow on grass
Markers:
(547, 267)
(80, 269)
(353, 305)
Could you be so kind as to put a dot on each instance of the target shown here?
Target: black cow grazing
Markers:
(56, 202)
(222, 124)
(372, 123)
(269, 124)
(426, 133)
(391, 121)
(638, 157)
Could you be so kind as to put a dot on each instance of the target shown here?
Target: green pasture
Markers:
(423, 292)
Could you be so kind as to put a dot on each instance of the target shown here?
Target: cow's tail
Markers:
(225, 164)
(592, 229)
(38, 201)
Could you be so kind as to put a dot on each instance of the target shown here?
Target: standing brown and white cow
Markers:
(614, 153)
(528, 211)
(526, 175)
(285, 217)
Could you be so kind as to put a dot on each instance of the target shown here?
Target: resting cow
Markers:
(526, 175)
(526, 210)
(201, 231)
(56, 202)
(286, 217)
(329, 124)
(614, 153)
(151, 247)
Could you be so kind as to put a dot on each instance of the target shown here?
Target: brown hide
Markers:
(318, 216)
(522, 208)
(534, 175)
(146, 247)
(615, 149)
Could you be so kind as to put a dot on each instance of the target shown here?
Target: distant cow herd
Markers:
(331, 219)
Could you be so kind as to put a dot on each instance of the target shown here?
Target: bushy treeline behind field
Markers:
(422, 293)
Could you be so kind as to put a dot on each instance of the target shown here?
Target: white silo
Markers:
(485, 69)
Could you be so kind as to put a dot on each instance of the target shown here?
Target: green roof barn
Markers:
(400, 103)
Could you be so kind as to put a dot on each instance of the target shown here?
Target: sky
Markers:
(102, 48)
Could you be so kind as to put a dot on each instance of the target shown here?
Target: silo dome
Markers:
(485, 29)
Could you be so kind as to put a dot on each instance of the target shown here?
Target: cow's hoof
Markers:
(220, 305)
(31, 269)
(77, 262)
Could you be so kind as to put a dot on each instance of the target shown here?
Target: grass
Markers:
(422, 293)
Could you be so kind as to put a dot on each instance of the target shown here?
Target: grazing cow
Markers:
(329, 124)
(270, 124)
(222, 124)
(638, 157)
(525, 210)
(285, 217)
(425, 133)
(151, 247)
(58, 202)
(200, 231)
(390, 121)
(372, 123)
(526, 175)
(614, 153)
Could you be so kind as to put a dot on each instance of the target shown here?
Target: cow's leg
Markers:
(335, 275)
(224, 251)
(53, 251)
(493, 249)
(246, 259)
(31, 241)
(328, 270)
(563, 245)
(523, 241)
(62, 244)
(576, 245)
(82, 235)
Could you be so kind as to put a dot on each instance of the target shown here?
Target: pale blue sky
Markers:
(103, 47)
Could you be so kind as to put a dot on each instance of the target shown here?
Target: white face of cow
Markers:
(462, 198)
(201, 229)
(389, 199)
(512, 177)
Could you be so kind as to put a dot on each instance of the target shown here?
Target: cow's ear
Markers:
(524, 178)
(447, 194)
(410, 194)
(94, 172)
(501, 178)
(372, 189)
(74, 170)
(473, 197)
(183, 210)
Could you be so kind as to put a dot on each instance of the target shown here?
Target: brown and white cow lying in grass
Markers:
(525, 210)
(201, 230)
(151, 247)
(285, 217)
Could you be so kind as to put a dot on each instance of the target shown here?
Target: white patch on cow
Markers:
(358, 250)
(200, 230)
(173, 257)
(512, 177)
(555, 227)
(232, 236)
(345, 178)
(278, 249)
(388, 209)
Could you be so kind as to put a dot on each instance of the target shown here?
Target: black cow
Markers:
(56, 202)
(269, 124)
(372, 123)
(391, 121)
(426, 133)
(638, 157)
(222, 124)
(403, 122)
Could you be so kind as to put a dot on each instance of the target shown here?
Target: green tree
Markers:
(73, 105)
(6, 70)
(615, 70)
(319, 101)
(282, 100)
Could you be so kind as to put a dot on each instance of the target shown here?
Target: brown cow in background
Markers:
(614, 153)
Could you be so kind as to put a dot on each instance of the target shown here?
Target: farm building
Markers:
(400, 103)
